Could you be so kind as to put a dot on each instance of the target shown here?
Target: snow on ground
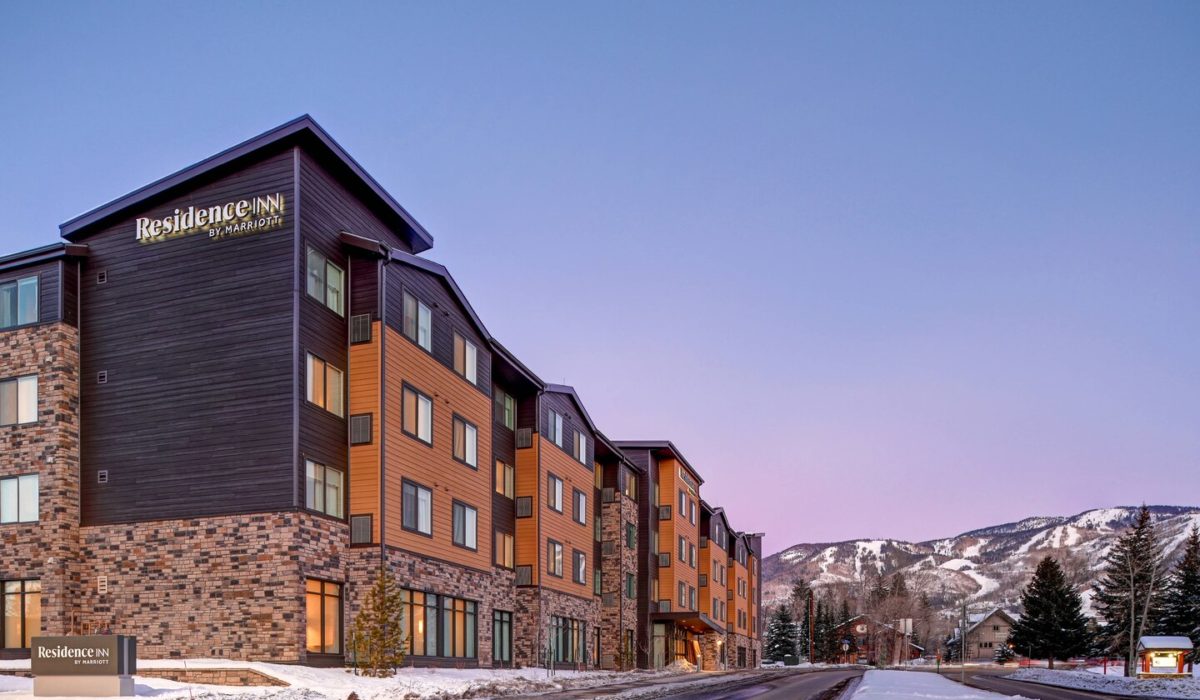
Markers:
(986, 584)
(1116, 684)
(958, 564)
(308, 683)
(903, 685)
(974, 550)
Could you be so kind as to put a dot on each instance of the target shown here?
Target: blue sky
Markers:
(879, 269)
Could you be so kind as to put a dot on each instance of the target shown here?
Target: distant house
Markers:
(986, 632)
(874, 642)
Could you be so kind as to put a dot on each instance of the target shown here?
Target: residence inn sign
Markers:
(96, 665)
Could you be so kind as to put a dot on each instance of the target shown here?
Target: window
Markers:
(596, 583)
(502, 637)
(555, 428)
(418, 322)
(579, 507)
(682, 594)
(22, 618)
(323, 614)
(19, 499)
(692, 511)
(505, 476)
(324, 488)
(466, 358)
(682, 502)
(504, 550)
(554, 558)
(596, 533)
(568, 640)
(692, 555)
(466, 443)
(506, 409)
(325, 385)
(554, 496)
(630, 585)
(19, 302)
(691, 598)
(417, 415)
(581, 448)
(417, 508)
(325, 282)
(598, 473)
(630, 490)
(630, 535)
(18, 400)
(466, 520)
(682, 549)
(438, 625)
(579, 567)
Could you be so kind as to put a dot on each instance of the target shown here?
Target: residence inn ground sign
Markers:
(87, 665)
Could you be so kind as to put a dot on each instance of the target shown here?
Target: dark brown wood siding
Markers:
(70, 291)
(332, 204)
(195, 335)
(572, 423)
(49, 287)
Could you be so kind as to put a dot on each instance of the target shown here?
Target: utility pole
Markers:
(810, 627)
(962, 646)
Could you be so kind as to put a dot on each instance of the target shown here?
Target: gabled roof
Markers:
(660, 445)
(41, 254)
(441, 272)
(982, 617)
(508, 358)
(304, 131)
(570, 391)
(1165, 643)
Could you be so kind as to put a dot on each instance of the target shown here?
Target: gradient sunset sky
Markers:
(878, 269)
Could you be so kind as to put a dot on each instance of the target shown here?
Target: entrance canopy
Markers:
(696, 622)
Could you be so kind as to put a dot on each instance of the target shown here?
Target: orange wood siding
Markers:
(751, 594)
(708, 555)
(364, 459)
(435, 467)
(737, 572)
(526, 482)
(670, 531)
(561, 527)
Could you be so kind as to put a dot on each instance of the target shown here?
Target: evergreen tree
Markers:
(377, 637)
(1052, 625)
(953, 647)
(801, 593)
(899, 587)
(781, 635)
(845, 612)
(1181, 597)
(1004, 654)
(1127, 595)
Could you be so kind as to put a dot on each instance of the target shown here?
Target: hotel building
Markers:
(229, 397)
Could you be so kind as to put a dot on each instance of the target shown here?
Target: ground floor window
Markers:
(501, 637)
(568, 640)
(437, 625)
(323, 606)
(22, 619)
(741, 657)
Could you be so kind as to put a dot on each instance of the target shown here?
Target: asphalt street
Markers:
(996, 683)
(789, 686)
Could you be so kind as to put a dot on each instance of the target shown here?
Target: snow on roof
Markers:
(1164, 643)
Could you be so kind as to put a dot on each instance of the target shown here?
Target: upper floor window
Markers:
(325, 386)
(579, 566)
(581, 448)
(418, 322)
(324, 488)
(19, 499)
(417, 414)
(630, 535)
(505, 476)
(554, 496)
(18, 400)
(326, 282)
(19, 302)
(466, 520)
(555, 426)
(466, 443)
(692, 512)
(466, 358)
(504, 549)
(506, 409)
(554, 558)
(580, 507)
(417, 508)
(682, 502)
(631, 486)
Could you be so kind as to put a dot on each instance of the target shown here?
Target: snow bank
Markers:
(904, 685)
(1116, 684)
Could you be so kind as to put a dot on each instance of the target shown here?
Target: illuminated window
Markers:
(326, 282)
(555, 428)
(417, 414)
(505, 476)
(418, 322)
(504, 550)
(22, 618)
(554, 558)
(323, 608)
(466, 443)
(581, 448)
(18, 400)
(554, 495)
(325, 388)
(19, 302)
(324, 488)
(466, 360)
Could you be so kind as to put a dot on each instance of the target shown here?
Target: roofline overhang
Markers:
(41, 254)
(660, 445)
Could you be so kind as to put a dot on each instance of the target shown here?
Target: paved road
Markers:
(787, 686)
(994, 681)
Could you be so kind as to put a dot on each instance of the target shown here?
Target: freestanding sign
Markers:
(92, 666)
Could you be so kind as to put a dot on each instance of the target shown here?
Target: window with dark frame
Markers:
(18, 302)
(323, 615)
(416, 511)
(22, 619)
(581, 447)
(554, 558)
(466, 359)
(466, 443)
(502, 637)
(505, 479)
(19, 400)
(504, 547)
(579, 506)
(555, 427)
(505, 409)
(579, 567)
(465, 526)
(326, 386)
(324, 488)
(554, 493)
(438, 626)
(630, 535)
(326, 282)
(418, 322)
(416, 414)
(19, 499)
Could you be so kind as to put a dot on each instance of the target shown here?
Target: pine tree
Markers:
(781, 635)
(801, 593)
(1127, 595)
(1181, 597)
(845, 612)
(377, 636)
(1052, 625)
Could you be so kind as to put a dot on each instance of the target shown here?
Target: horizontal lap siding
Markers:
(49, 286)
(435, 467)
(364, 459)
(196, 337)
(562, 527)
(343, 210)
(738, 572)
(529, 550)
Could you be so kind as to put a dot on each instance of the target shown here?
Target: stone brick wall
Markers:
(531, 626)
(241, 677)
(619, 611)
(712, 646)
(491, 590)
(752, 646)
(46, 550)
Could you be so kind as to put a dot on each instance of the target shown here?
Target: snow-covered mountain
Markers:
(989, 565)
